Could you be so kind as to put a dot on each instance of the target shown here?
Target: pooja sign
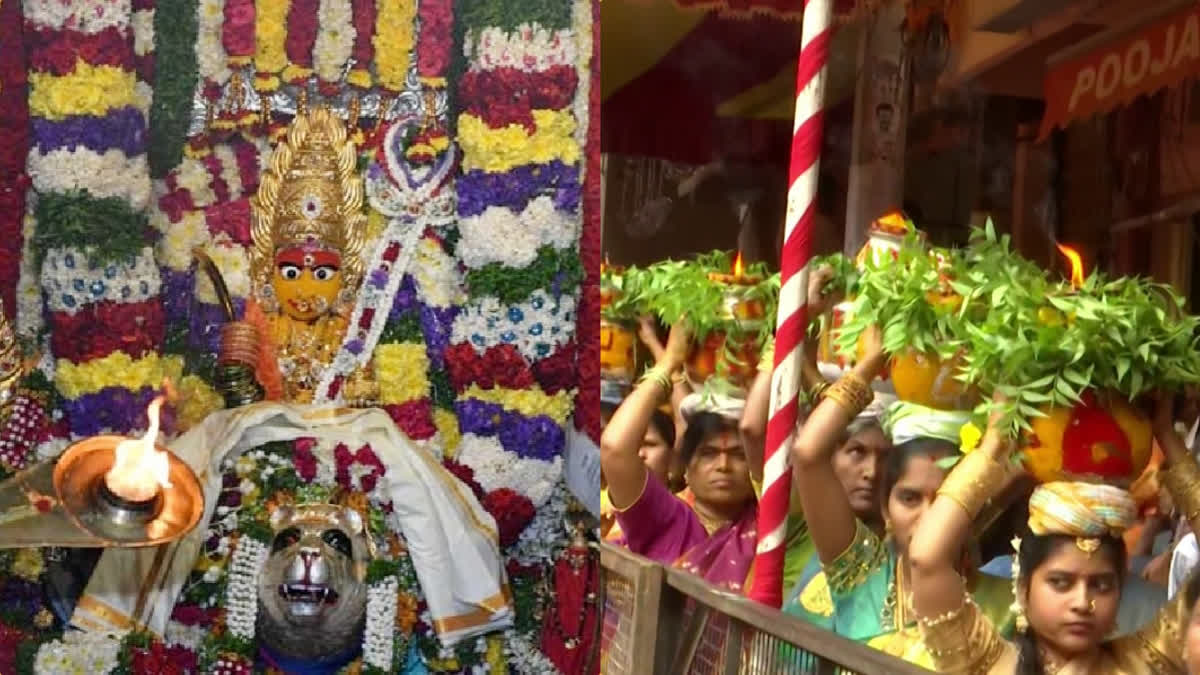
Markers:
(1158, 54)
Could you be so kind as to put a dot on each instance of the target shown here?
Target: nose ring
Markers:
(1092, 605)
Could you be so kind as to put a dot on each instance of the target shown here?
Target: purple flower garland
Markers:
(477, 189)
(123, 129)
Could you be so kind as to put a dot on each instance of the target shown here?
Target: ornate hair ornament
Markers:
(310, 197)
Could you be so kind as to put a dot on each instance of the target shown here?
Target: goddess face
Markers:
(306, 281)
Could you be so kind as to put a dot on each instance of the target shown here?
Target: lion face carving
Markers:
(312, 593)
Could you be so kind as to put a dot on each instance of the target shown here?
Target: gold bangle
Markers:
(659, 376)
(851, 393)
(1183, 483)
(972, 482)
(817, 391)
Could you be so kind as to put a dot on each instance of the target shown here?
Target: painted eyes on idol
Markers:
(292, 272)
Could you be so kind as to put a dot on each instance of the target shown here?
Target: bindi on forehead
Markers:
(308, 257)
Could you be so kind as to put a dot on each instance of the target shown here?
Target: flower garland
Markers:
(83, 83)
(394, 39)
(237, 32)
(498, 150)
(436, 19)
(175, 74)
(587, 415)
(535, 327)
(335, 41)
(301, 34)
(212, 62)
(270, 57)
(499, 235)
(14, 144)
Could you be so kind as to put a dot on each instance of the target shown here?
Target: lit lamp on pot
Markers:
(732, 353)
(102, 492)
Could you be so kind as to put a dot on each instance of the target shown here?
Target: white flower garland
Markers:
(335, 39)
(143, 32)
(229, 170)
(512, 239)
(524, 657)
(438, 280)
(536, 327)
(178, 240)
(234, 262)
(529, 47)
(79, 652)
(72, 282)
(85, 16)
(545, 536)
(378, 636)
(241, 594)
(497, 468)
(190, 637)
(212, 63)
(143, 97)
(581, 21)
(108, 174)
(193, 176)
(378, 298)
(29, 289)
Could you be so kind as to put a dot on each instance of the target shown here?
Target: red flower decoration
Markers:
(304, 459)
(415, 418)
(237, 33)
(232, 218)
(371, 468)
(506, 368)
(557, 372)
(587, 401)
(464, 366)
(364, 28)
(159, 658)
(436, 19)
(100, 329)
(191, 615)
(513, 512)
(57, 51)
(301, 32)
(505, 96)
(465, 474)
(10, 639)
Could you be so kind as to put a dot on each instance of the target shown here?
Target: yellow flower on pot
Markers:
(1103, 438)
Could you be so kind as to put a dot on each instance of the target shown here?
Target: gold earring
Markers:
(1022, 624)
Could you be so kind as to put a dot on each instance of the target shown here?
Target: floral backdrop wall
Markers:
(150, 122)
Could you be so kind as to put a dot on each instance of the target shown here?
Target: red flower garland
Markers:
(505, 96)
(14, 147)
(237, 32)
(503, 366)
(364, 30)
(301, 34)
(145, 62)
(513, 512)
(99, 329)
(587, 400)
(364, 456)
(465, 474)
(160, 659)
(57, 51)
(231, 218)
(415, 418)
(436, 41)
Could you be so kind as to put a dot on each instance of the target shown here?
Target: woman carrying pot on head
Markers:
(1069, 573)
(715, 536)
(857, 461)
(865, 576)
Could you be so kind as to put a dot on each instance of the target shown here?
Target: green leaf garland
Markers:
(551, 269)
(175, 29)
(113, 230)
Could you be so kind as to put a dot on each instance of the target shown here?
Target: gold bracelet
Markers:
(817, 391)
(1183, 483)
(972, 482)
(850, 392)
(659, 376)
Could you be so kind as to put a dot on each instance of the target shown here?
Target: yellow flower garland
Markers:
(447, 425)
(196, 401)
(498, 150)
(270, 22)
(394, 31)
(529, 402)
(115, 370)
(88, 90)
(400, 370)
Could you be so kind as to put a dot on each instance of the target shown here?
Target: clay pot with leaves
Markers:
(618, 316)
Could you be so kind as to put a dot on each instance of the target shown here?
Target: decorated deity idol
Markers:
(306, 503)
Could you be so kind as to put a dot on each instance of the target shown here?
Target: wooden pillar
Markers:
(1171, 254)
(1033, 234)
(881, 107)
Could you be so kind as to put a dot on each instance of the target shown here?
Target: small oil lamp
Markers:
(104, 491)
(736, 306)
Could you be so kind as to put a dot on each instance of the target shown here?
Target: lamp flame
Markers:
(737, 266)
(140, 469)
(1076, 261)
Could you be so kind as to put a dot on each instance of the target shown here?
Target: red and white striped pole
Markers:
(792, 320)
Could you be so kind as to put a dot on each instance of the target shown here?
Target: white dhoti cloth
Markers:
(452, 540)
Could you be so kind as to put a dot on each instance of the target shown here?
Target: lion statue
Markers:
(312, 592)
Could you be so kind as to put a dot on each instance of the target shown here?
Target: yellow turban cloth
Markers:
(1084, 510)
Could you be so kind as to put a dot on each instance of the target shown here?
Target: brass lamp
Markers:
(102, 492)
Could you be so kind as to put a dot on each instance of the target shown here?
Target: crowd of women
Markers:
(894, 530)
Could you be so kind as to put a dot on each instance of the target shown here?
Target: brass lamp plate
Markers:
(78, 477)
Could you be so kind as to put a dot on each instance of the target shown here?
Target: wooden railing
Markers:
(666, 622)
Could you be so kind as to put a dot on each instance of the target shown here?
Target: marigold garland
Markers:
(400, 370)
(502, 149)
(118, 369)
(270, 57)
(87, 90)
(529, 402)
(394, 37)
(363, 52)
